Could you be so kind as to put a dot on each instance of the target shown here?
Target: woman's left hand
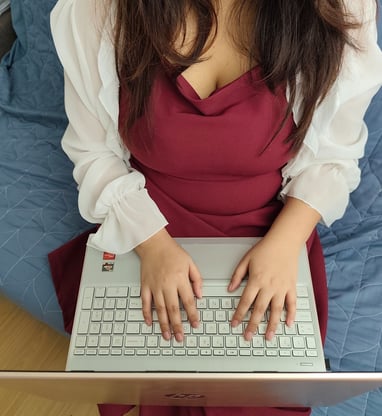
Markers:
(271, 267)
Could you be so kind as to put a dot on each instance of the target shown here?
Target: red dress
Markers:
(213, 166)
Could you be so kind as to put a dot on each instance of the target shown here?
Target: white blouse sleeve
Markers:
(111, 193)
(325, 170)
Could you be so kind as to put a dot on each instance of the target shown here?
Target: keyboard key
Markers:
(285, 342)
(311, 343)
(100, 292)
(121, 303)
(116, 292)
(231, 342)
(135, 291)
(201, 303)
(152, 341)
(191, 342)
(226, 303)
(117, 341)
(135, 303)
(298, 342)
(87, 298)
(80, 341)
(302, 303)
(92, 341)
(134, 341)
(224, 329)
(213, 303)
(305, 329)
(257, 342)
(109, 303)
(83, 325)
(207, 316)
(135, 316)
(211, 328)
(132, 328)
(303, 316)
(218, 342)
(204, 342)
(302, 291)
(104, 341)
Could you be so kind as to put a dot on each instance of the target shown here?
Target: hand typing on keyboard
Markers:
(167, 275)
(272, 276)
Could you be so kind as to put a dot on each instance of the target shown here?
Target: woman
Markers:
(216, 118)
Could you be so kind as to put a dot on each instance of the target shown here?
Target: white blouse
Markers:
(113, 194)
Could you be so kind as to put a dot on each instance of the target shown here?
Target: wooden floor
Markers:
(26, 344)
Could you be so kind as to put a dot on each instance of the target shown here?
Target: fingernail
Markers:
(179, 337)
(270, 335)
(248, 335)
(230, 287)
(166, 335)
(195, 324)
(235, 323)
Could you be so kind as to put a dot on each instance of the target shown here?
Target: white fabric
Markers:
(113, 194)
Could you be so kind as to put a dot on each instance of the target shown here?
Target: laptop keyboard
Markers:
(111, 324)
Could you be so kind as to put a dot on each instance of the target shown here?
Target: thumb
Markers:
(238, 275)
(196, 280)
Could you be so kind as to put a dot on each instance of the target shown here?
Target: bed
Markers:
(38, 208)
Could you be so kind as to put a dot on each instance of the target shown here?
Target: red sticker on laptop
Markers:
(108, 256)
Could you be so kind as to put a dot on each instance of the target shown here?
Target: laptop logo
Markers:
(108, 256)
(108, 267)
(185, 396)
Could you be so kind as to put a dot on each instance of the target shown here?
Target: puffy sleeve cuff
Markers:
(129, 218)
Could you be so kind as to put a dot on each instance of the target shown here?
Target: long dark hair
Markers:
(289, 37)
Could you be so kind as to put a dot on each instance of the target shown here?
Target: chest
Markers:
(222, 62)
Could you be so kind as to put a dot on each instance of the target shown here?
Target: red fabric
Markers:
(214, 170)
(66, 267)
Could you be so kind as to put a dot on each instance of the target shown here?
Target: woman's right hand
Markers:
(168, 274)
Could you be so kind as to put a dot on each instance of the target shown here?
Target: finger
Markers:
(277, 306)
(173, 313)
(196, 280)
(246, 301)
(161, 309)
(189, 305)
(259, 309)
(239, 274)
(146, 305)
(290, 305)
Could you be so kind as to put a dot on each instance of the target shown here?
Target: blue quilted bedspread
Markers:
(38, 209)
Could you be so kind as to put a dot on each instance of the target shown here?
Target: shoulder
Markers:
(79, 24)
(364, 13)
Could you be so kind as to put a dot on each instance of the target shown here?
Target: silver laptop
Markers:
(194, 389)
(109, 333)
